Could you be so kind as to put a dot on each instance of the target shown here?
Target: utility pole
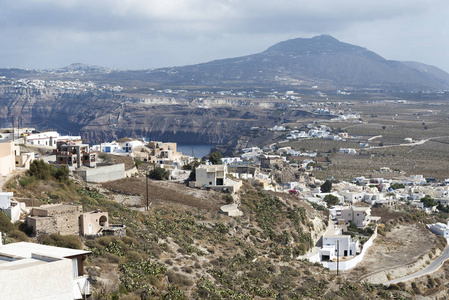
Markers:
(146, 175)
(12, 127)
(338, 254)
(18, 128)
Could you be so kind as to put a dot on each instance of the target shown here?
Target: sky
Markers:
(144, 34)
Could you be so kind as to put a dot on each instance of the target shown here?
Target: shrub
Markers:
(133, 256)
(55, 239)
(40, 169)
(61, 173)
(228, 199)
(5, 224)
(178, 279)
(27, 180)
(159, 174)
(326, 187)
(18, 236)
(137, 163)
(215, 158)
(112, 258)
(331, 200)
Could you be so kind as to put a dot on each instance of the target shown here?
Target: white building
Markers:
(360, 216)
(107, 147)
(348, 150)
(48, 138)
(374, 199)
(128, 147)
(10, 207)
(214, 176)
(440, 229)
(230, 160)
(353, 197)
(336, 244)
(34, 271)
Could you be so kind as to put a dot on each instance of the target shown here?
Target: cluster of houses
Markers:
(39, 84)
(316, 132)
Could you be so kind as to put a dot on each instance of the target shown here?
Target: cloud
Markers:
(134, 32)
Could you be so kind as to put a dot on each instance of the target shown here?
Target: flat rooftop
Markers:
(57, 206)
(25, 250)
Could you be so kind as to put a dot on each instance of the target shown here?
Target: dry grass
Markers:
(162, 191)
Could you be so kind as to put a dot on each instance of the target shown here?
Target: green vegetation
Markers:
(180, 253)
(137, 162)
(396, 186)
(5, 224)
(228, 199)
(326, 187)
(331, 200)
(428, 201)
(159, 174)
(67, 241)
(215, 158)
(40, 170)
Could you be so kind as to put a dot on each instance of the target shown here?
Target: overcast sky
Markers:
(142, 34)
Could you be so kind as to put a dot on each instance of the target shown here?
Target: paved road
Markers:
(432, 267)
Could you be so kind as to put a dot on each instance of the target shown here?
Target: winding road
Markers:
(432, 267)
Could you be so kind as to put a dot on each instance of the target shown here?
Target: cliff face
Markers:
(107, 116)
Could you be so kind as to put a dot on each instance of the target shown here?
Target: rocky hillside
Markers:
(109, 116)
(182, 250)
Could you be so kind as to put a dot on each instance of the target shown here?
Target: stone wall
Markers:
(62, 219)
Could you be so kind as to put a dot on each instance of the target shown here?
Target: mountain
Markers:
(321, 60)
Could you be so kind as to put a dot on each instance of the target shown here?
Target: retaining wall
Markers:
(103, 173)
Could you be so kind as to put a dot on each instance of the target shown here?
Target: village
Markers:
(340, 246)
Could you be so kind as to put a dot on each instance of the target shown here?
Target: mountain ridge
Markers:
(320, 61)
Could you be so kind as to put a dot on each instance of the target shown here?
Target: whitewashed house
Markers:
(334, 244)
(10, 207)
(440, 229)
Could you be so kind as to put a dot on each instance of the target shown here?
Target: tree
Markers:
(428, 201)
(215, 158)
(61, 173)
(384, 127)
(326, 187)
(40, 169)
(397, 185)
(159, 174)
(331, 200)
